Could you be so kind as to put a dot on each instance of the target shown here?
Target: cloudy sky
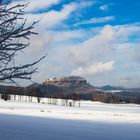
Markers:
(99, 40)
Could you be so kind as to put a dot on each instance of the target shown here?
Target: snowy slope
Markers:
(88, 111)
(91, 121)
(35, 128)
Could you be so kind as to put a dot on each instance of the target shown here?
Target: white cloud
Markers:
(95, 48)
(84, 4)
(110, 43)
(53, 18)
(46, 71)
(97, 20)
(35, 5)
(130, 81)
(68, 36)
(93, 69)
(102, 19)
(104, 7)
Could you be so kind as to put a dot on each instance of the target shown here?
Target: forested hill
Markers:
(74, 88)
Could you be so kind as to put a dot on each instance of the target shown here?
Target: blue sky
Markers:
(99, 40)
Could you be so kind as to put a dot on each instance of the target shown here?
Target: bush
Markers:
(5, 97)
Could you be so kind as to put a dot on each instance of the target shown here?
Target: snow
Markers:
(93, 120)
(32, 128)
(93, 111)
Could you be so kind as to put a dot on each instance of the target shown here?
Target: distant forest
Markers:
(71, 92)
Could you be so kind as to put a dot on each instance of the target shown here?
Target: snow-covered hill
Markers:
(93, 120)
(88, 111)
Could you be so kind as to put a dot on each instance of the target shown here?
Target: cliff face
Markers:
(66, 80)
(70, 84)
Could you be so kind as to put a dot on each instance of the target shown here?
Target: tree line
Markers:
(53, 92)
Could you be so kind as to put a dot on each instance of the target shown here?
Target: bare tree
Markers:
(14, 37)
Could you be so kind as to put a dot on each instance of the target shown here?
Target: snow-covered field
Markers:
(93, 111)
(91, 121)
